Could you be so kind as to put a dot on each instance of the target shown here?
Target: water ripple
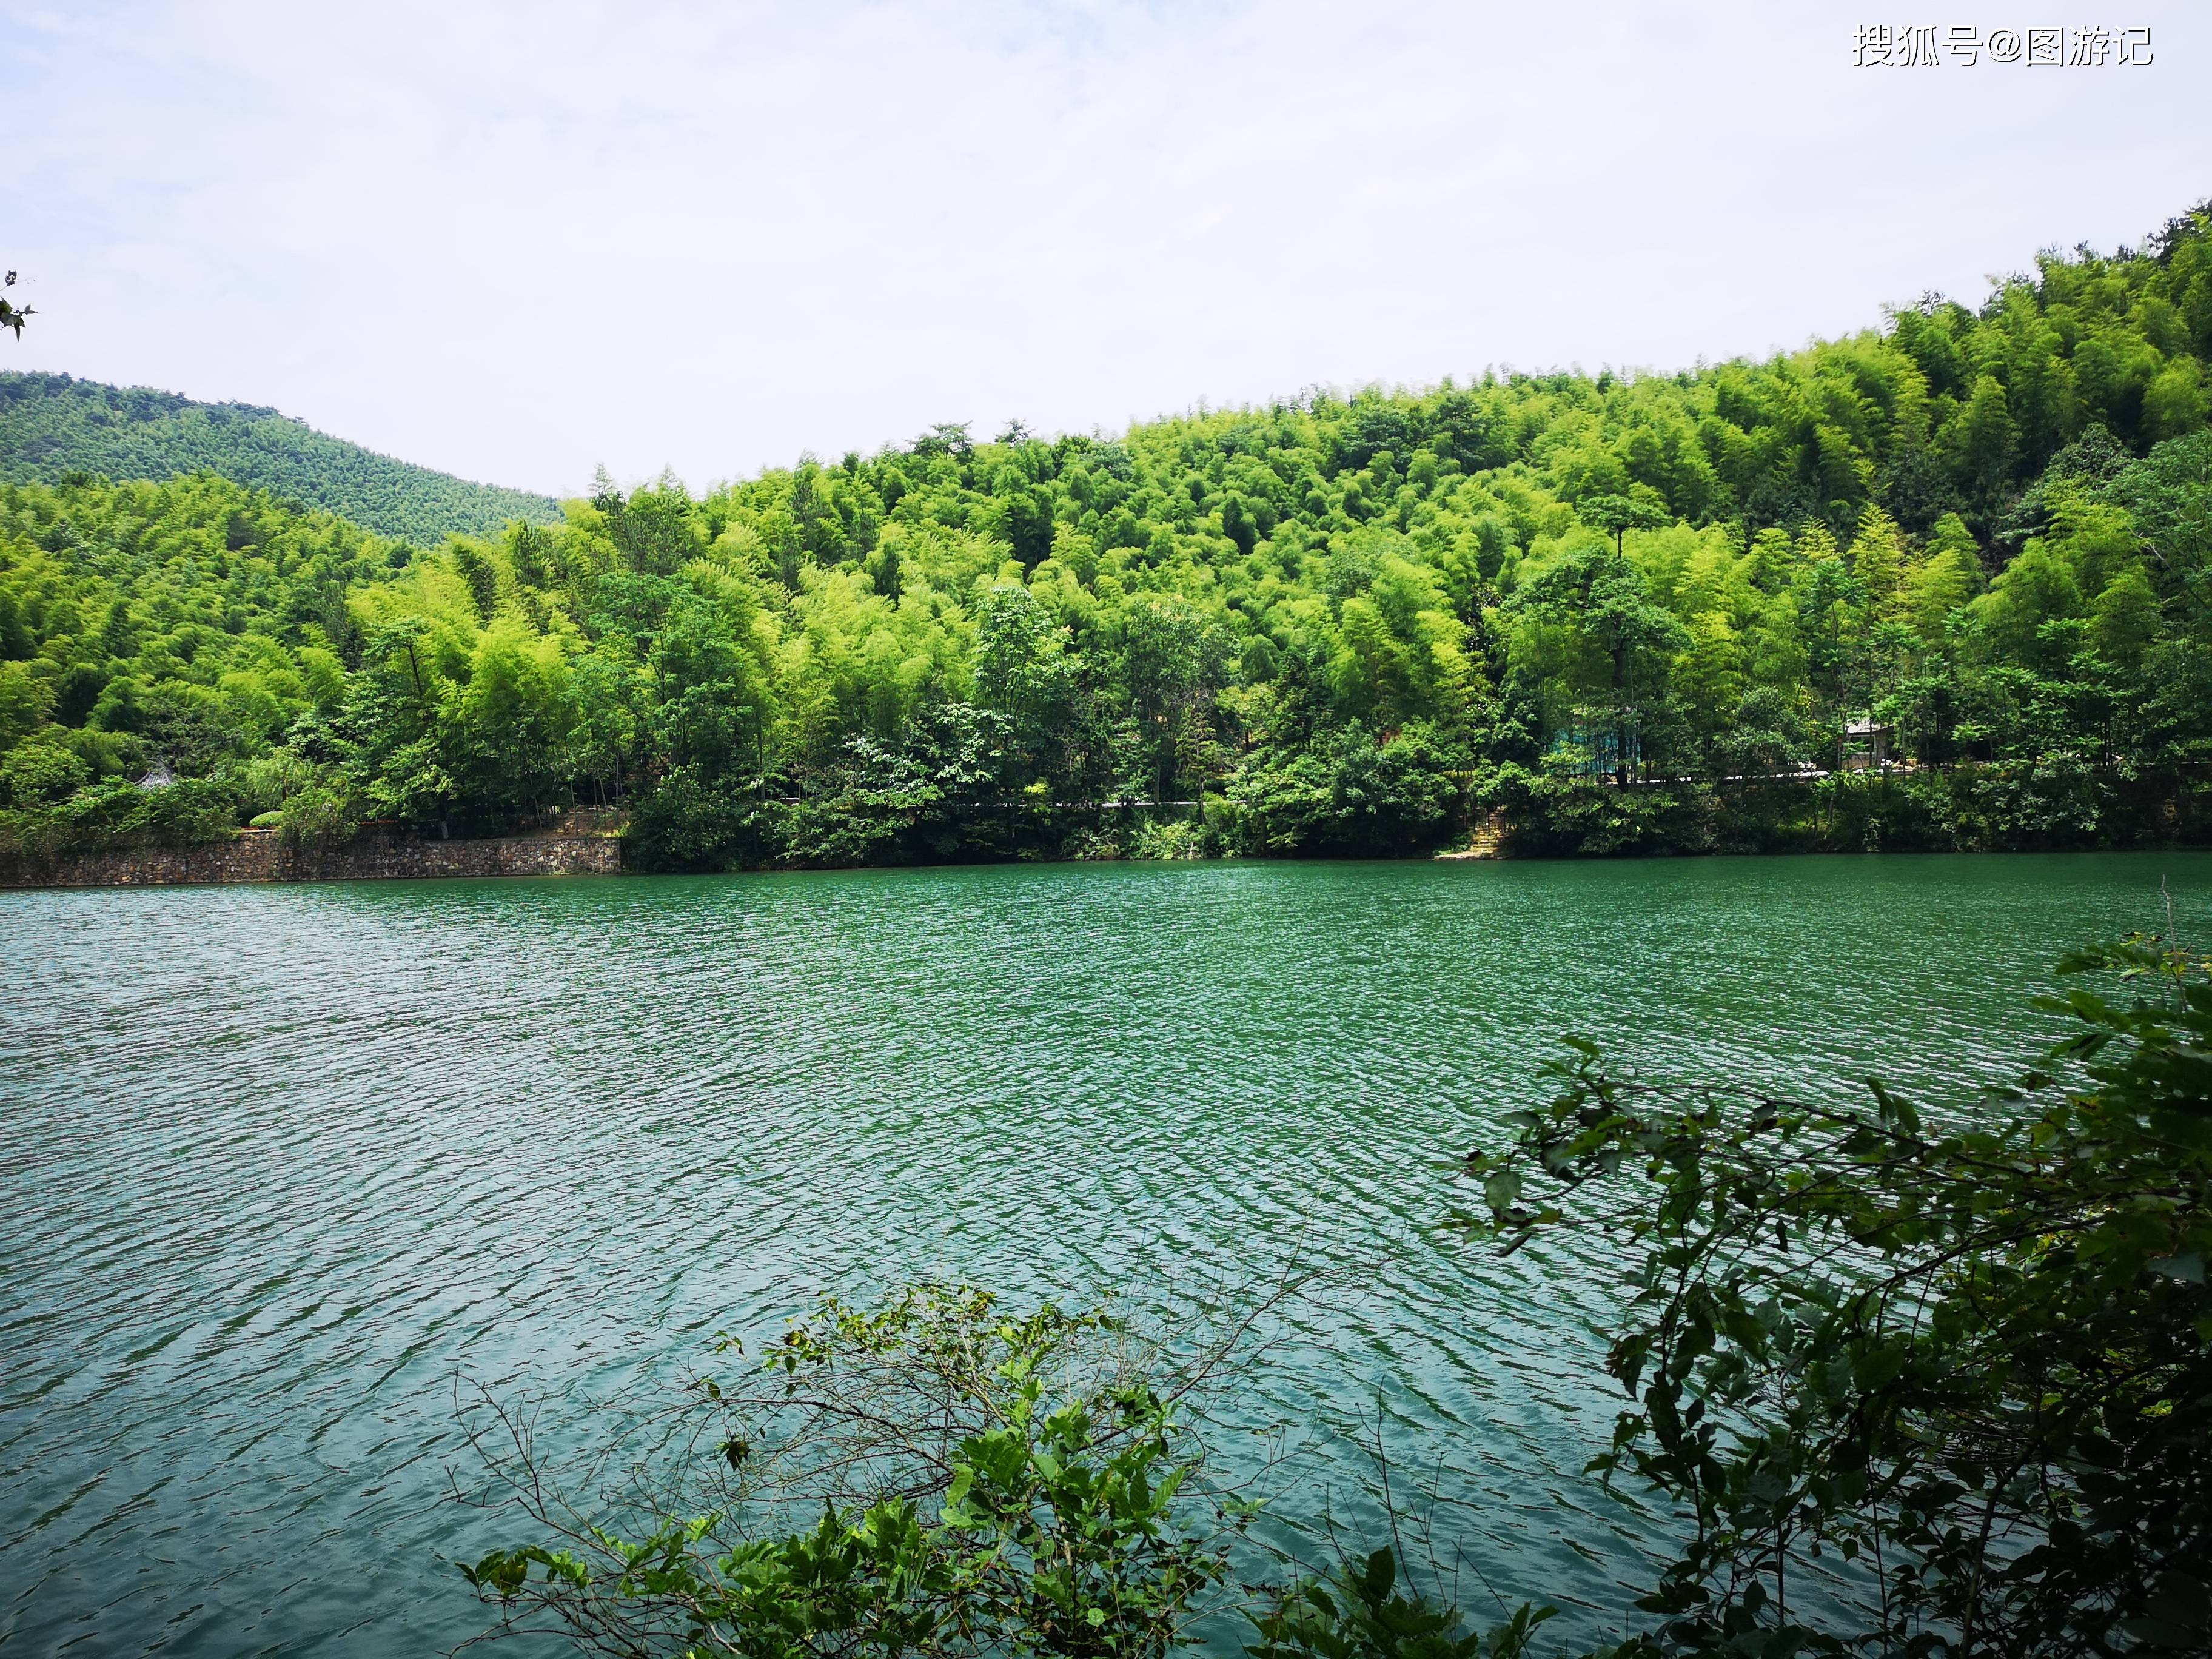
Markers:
(279, 1160)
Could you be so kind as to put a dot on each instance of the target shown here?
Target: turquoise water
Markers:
(281, 1163)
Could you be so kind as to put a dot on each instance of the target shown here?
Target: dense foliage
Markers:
(188, 622)
(52, 425)
(1910, 1382)
(1623, 613)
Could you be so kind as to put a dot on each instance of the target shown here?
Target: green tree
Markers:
(1616, 515)
(1170, 666)
(1595, 655)
(1021, 670)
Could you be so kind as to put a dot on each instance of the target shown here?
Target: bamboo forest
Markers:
(1946, 583)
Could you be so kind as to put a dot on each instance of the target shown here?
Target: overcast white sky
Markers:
(515, 242)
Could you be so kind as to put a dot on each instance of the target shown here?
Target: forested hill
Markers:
(52, 425)
(1622, 612)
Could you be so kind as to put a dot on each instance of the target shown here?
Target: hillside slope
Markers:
(52, 425)
(1638, 613)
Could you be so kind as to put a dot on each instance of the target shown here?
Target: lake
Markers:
(280, 1163)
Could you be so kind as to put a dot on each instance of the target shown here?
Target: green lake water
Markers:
(280, 1164)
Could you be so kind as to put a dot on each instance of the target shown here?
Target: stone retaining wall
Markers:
(261, 856)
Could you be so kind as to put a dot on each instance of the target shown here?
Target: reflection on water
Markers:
(279, 1160)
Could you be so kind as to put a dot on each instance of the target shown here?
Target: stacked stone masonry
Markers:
(261, 856)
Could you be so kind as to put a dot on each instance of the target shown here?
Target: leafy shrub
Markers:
(1351, 795)
(39, 774)
(963, 1480)
(1967, 1358)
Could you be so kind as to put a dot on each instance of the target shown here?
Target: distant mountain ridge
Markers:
(52, 425)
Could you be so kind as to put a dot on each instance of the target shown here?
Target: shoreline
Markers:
(261, 858)
(257, 857)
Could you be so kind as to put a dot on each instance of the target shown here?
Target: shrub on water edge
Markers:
(1169, 838)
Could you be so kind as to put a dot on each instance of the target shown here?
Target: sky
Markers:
(518, 243)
